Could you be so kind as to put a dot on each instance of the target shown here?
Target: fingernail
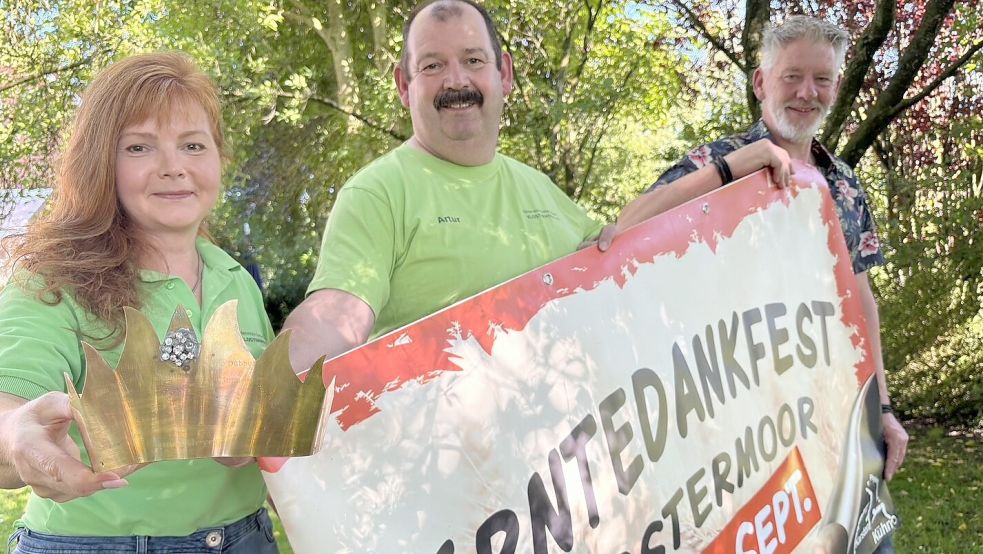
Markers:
(114, 484)
(603, 245)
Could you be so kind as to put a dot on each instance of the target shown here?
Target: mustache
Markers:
(448, 98)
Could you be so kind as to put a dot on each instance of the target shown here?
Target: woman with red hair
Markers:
(140, 172)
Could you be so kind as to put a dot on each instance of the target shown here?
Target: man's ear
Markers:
(508, 78)
(758, 81)
(402, 85)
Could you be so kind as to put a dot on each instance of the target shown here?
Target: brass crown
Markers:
(218, 401)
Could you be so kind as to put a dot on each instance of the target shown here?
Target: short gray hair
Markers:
(803, 27)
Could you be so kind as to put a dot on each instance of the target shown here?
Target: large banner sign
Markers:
(704, 386)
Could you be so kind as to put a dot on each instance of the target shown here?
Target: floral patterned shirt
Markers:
(851, 202)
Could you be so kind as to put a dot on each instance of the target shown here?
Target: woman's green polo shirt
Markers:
(39, 342)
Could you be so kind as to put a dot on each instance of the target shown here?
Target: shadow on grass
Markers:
(937, 493)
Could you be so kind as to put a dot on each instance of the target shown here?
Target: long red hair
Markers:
(85, 244)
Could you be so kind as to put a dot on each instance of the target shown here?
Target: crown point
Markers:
(180, 399)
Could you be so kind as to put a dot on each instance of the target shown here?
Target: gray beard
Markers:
(798, 135)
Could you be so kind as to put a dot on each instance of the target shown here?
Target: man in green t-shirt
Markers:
(443, 216)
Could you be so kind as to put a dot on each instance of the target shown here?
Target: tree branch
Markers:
(560, 85)
(912, 59)
(523, 94)
(332, 33)
(305, 17)
(564, 63)
(585, 45)
(929, 88)
(605, 123)
(53, 71)
(856, 70)
(351, 113)
(706, 34)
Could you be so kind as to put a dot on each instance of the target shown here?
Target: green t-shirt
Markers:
(38, 343)
(410, 233)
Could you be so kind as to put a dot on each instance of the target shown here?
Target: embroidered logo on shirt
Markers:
(448, 219)
(540, 214)
(249, 336)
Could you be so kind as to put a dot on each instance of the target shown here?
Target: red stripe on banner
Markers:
(846, 288)
(419, 352)
(779, 516)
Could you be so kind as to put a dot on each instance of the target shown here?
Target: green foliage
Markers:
(12, 504)
(309, 100)
(942, 383)
(589, 81)
(931, 291)
(46, 53)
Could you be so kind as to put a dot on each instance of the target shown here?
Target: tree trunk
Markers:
(758, 14)
(339, 42)
(337, 39)
(884, 110)
(856, 70)
(380, 33)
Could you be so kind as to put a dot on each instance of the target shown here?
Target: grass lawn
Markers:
(937, 493)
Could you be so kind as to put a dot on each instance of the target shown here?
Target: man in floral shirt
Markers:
(796, 83)
(849, 197)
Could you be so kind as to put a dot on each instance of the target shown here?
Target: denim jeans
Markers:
(251, 534)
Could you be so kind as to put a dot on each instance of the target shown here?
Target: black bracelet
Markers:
(723, 170)
(887, 409)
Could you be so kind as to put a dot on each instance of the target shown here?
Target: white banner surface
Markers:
(694, 389)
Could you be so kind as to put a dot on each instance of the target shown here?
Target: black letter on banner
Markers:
(502, 520)
(755, 350)
(721, 469)
(670, 511)
(709, 371)
(765, 454)
(642, 379)
(697, 495)
(647, 547)
(687, 397)
(543, 515)
(618, 440)
(809, 356)
(785, 412)
(824, 310)
(806, 408)
(778, 336)
(728, 345)
(746, 456)
(575, 446)
(447, 547)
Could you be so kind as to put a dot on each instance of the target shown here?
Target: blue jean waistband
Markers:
(209, 539)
